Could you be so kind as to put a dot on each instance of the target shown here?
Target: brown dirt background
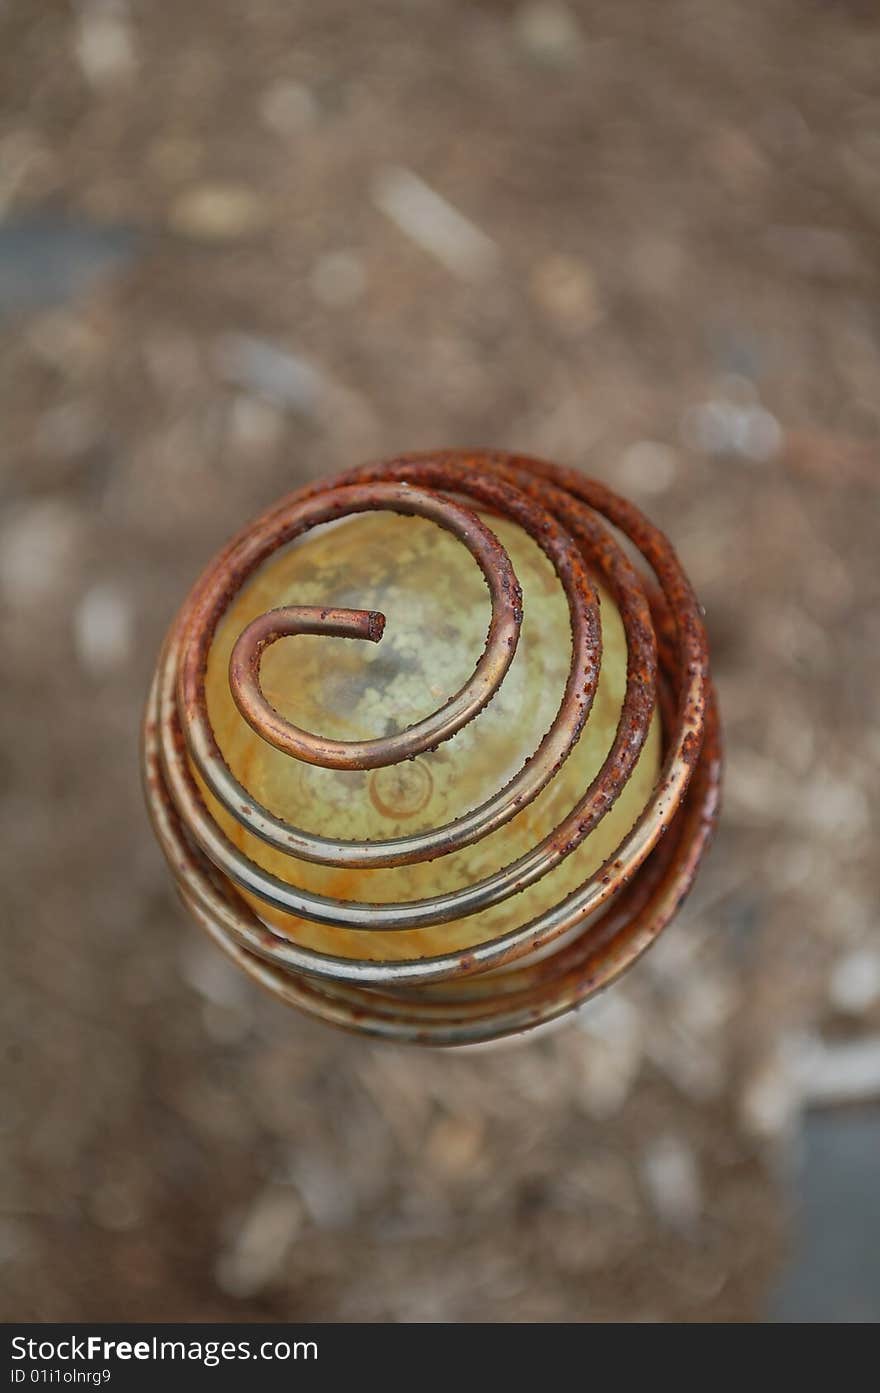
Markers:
(684, 204)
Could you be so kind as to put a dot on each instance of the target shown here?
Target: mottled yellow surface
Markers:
(437, 608)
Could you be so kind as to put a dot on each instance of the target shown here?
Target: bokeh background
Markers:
(245, 244)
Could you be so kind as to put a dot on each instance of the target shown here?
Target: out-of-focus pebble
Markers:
(212, 975)
(565, 289)
(105, 43)
(656, 264)
(255, 1255)
(103, 626)
(836, 1072)
(834, 807)
(612, 1054)
(39, 546)
(725, 428)
(548, 31)
(283, 378)
(257, 426)
(288, 108)
(454, 1145)
(855, 982)
(671, 1176)
(433, 223)
(648, 467)
(338, 279)
(218, 213)
(23, 155)
(325, 1189)
(771, 1096)
(693, 1063)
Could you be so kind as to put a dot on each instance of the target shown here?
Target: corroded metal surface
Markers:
(536, 971)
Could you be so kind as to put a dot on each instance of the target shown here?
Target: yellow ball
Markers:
(437, 609)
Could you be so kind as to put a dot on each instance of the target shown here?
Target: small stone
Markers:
(288, 108)
(838, 1072)
(705, 1002)
(102, 629)
(212, 975)
(257, 425)
(22, 156)
(762, 434)
(47, 260)
(648, 467)
(338, 279)
(565, 289)
(285, 380)
(217, 212)
(325, 1189)
(455, 1144)
(771, 1098)
(39, 545)
(671, 1177)
(836, 808)
(433, 223)
(548, 31)
(105, 47)
(64, 338)
(724, 427)
(855, 982)
(657, 264)
(255, 1256)
(612, 1055)
(695, 1066)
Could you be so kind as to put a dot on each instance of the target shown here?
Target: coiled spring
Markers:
(511, 982)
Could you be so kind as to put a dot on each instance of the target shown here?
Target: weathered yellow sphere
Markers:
(437, 609)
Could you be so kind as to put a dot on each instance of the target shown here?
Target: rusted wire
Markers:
(534, 971)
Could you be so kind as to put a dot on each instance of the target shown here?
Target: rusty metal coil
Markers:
(534, 972)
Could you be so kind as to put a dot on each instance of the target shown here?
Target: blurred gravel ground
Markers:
(223, 271)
